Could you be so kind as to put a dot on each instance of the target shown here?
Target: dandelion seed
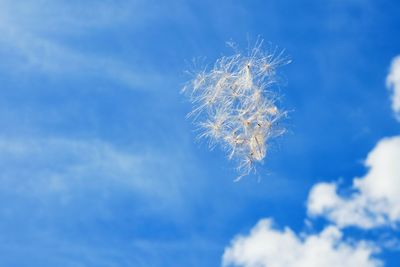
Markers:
(235, 107)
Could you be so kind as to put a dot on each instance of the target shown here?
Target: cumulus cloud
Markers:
(393, 83)
(266, 246)
(374, 199)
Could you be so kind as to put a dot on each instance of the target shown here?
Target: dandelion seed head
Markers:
(234, 105)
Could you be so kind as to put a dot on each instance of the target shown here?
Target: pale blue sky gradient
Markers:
(99, 166)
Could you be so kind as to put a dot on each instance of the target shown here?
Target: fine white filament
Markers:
(235, 106)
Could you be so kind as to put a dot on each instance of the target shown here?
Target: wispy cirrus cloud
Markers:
(63, 168)
(61, 38)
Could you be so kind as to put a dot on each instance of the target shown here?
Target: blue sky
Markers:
(100, 167)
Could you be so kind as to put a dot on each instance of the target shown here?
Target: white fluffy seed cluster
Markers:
(235, 107)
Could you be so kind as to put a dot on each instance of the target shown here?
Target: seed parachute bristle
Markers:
(234, 104)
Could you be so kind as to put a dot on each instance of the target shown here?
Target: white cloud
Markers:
(268, 247)
(65, 169)
(375, 199)
(393, 83)
(43, 36)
